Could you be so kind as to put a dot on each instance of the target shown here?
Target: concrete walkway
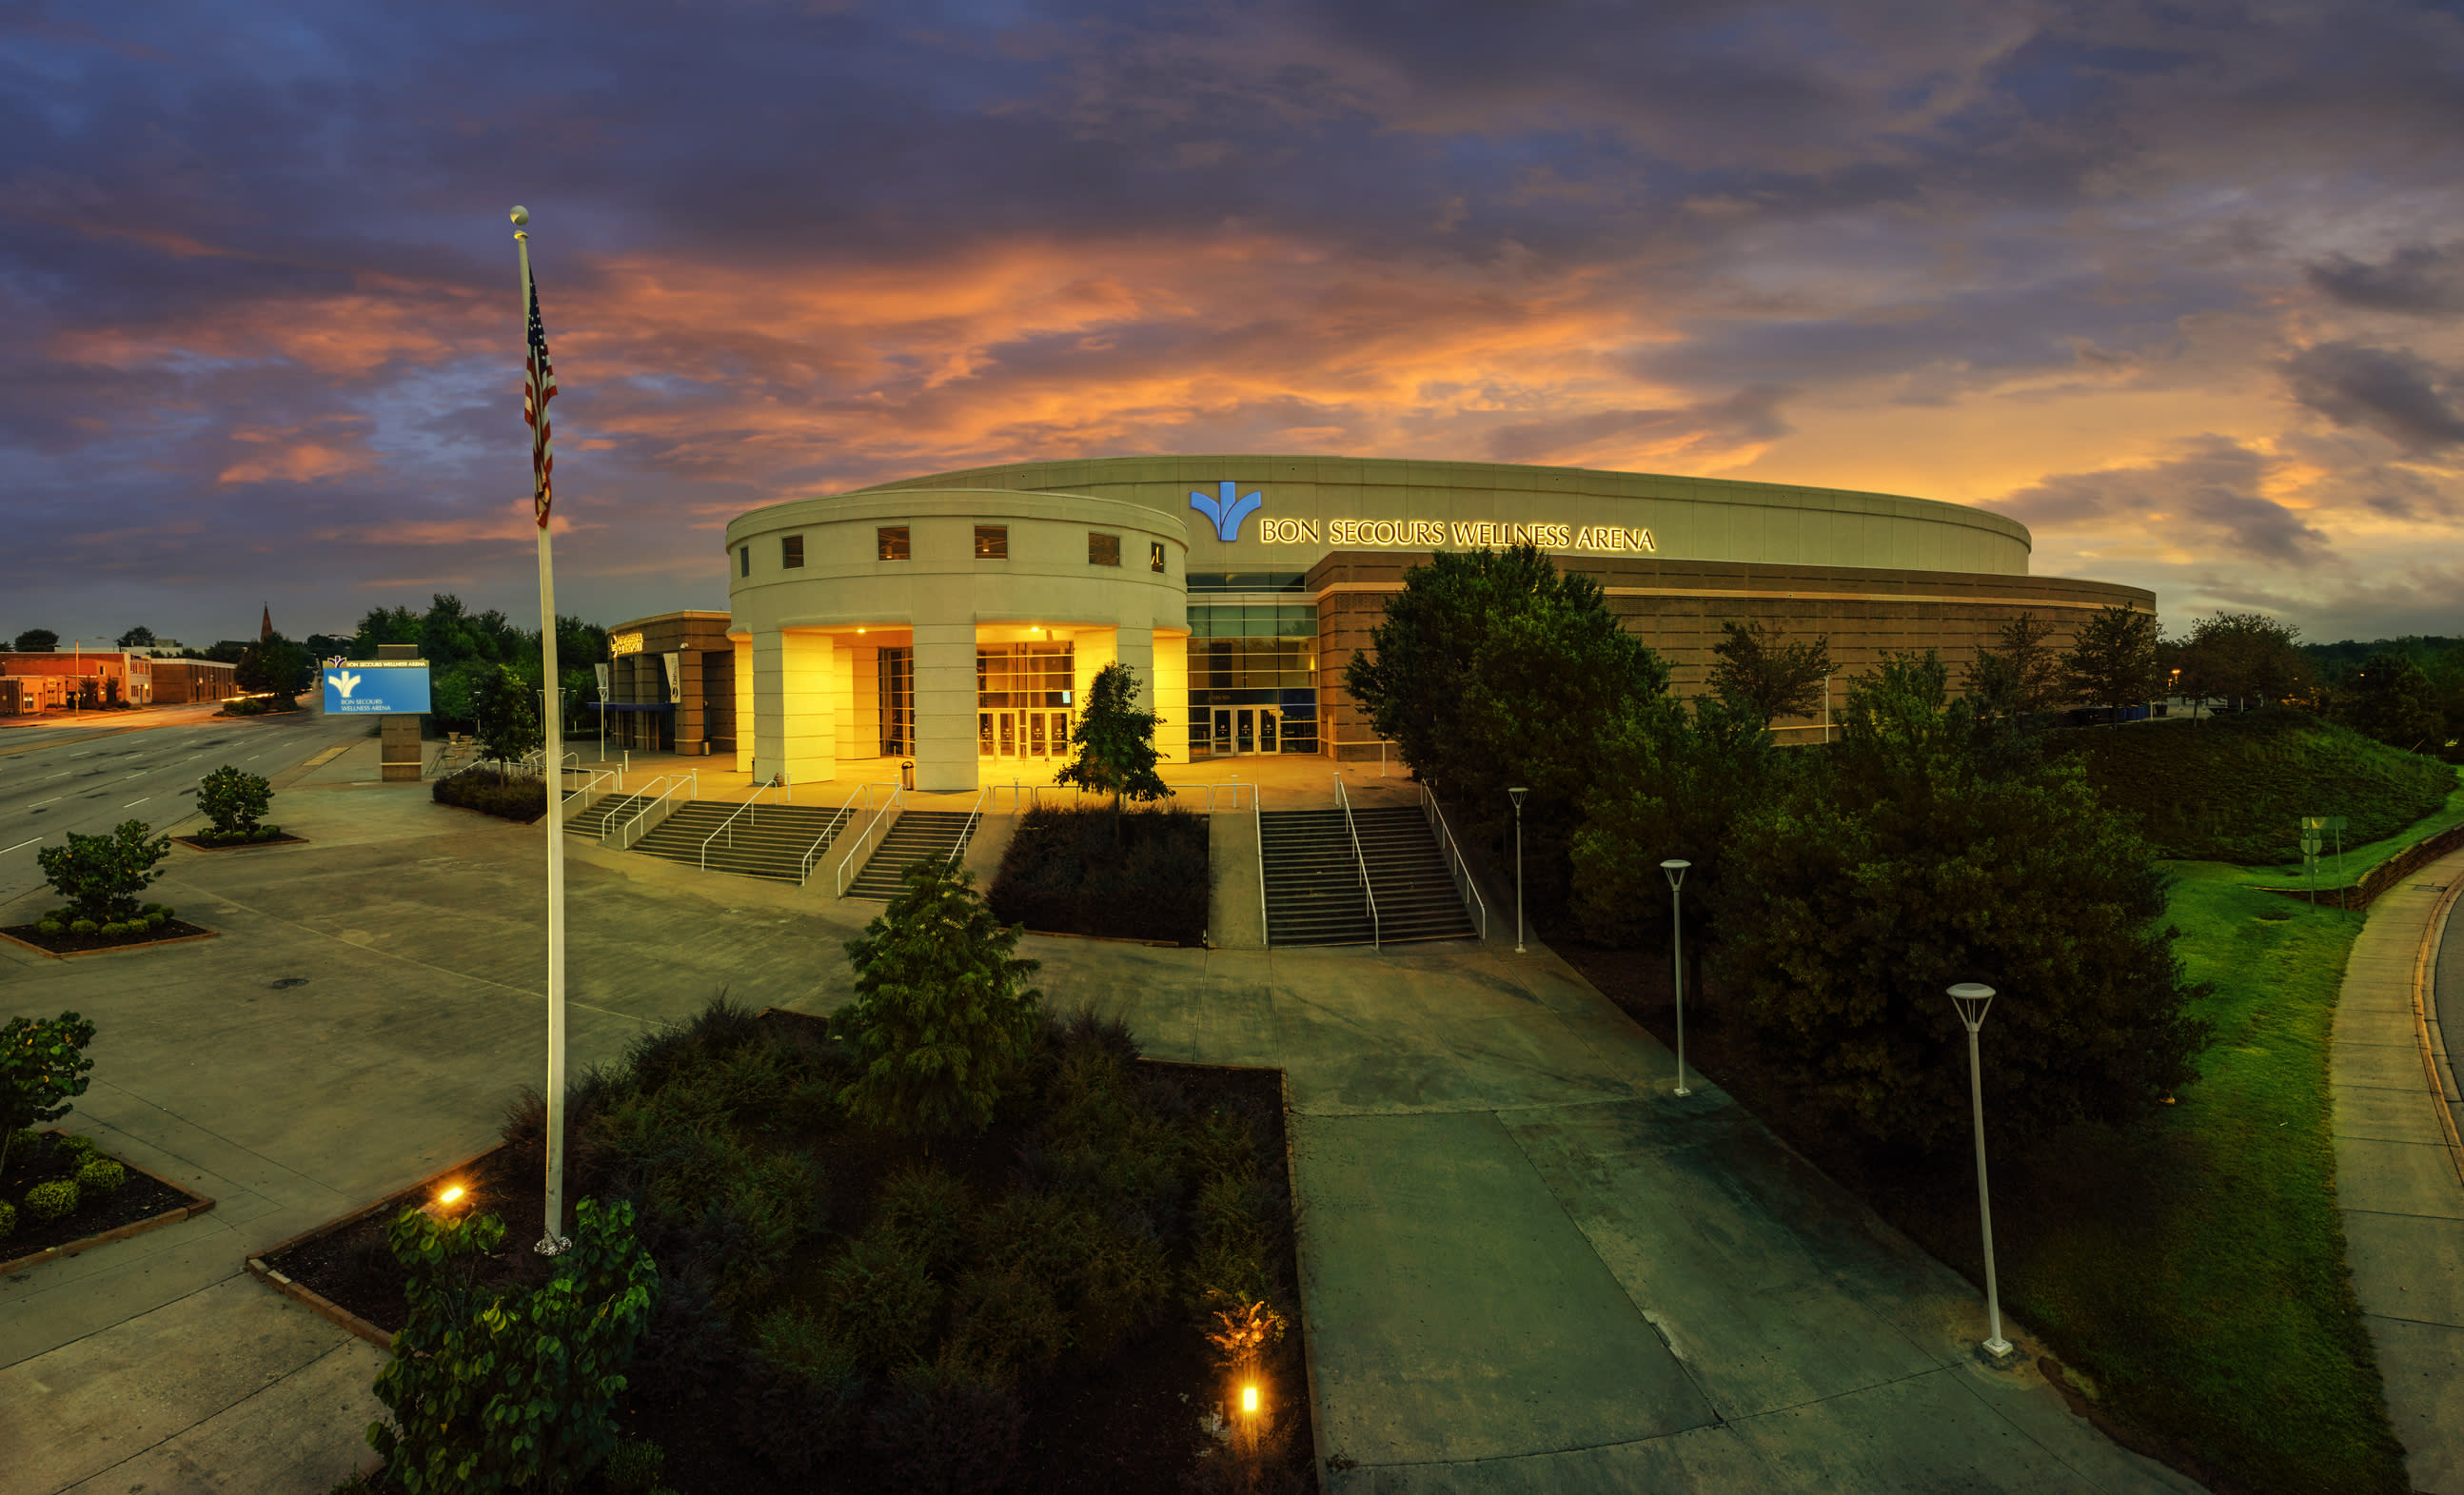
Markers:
(2399, 1174)
(1526, 1265)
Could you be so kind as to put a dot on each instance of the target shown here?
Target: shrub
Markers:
(83, 927)
(942, 1016)
(102, 876)
(102, 1176)
(925, 1210)
(690, 1345)
(945, 1427)
(49, 927)
(51, 1201)
(803, 1395)
(8, 1219)
(883, 1300)
(157, 920)
(234, 800)
(491, 1389)
(1007, 1319)
(43, 1071)
(113, 929)
(634, 1467)
(513, 797)
(1145, 875)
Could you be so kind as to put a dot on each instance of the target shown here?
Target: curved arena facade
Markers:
(958, 618)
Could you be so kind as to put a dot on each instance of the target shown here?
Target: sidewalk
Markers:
(2400, 1176)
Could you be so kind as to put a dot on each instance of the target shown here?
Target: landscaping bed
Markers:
(514, 797)
(262, 836)
(2189, 1274)
(1142, 874)
(66, 941)
(138, 1200)
(1049, 1269)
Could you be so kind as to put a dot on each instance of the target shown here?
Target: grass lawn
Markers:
(2196, 1272)
(2358, 859)
(2191, 1273)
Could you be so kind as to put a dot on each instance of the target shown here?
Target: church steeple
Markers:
(265, 629)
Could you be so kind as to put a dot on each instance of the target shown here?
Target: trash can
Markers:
(907, 773)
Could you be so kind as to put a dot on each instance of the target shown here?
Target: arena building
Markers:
(956, 619)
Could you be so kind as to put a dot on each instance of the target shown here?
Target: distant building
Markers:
(179, 682)
(96, 673)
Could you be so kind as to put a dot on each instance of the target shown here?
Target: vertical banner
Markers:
(675, 666)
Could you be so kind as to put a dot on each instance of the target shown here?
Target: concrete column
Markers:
(1136, 647)
(809, 745)
(945, 706)
(745, 715)
(1171, 698)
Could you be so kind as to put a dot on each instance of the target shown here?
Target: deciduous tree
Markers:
(2390, 699)
(102, 876)
(233, 798)
(508, 714)
(137, 637)
(37, 641)
(1762, 676)
(1910, 862)
(2113, 663)
(1115, 741)
(2018, 675)
(43, 1071)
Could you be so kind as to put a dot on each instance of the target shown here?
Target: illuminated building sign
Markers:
(1432, 534)
(623, 644)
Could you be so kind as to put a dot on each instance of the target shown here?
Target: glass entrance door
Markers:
(1022, 734)
(1243, 730)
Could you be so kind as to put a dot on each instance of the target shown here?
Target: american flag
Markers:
(539, 387)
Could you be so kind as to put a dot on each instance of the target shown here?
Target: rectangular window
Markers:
(992, 542)
(791, 552)
(743, 561)
(1103, 550)
(1155, 556)
(890, 543)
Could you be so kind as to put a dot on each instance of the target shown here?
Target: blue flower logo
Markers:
(1226, 511)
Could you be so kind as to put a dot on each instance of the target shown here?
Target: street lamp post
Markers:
(1972, 999)
(1516, 795)
(1674, 867)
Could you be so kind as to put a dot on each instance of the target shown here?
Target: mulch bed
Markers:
(141, 1199)
(1128, 1423)
(69, 944)
(200, 842)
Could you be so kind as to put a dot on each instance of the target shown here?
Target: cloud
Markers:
(2209, 496)
(2423, 279)
(1747, 417)
(2392, 392)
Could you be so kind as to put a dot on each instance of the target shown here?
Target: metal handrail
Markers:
(648, 808)
(1455, 866)
(865, 843)
(967, 831)
(727, 825)
(1258, 820)
(847, 812)
(1366, 891)
(588, 784)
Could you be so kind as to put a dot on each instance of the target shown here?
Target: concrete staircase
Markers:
(1313, 885)
(769, 840)
(918, 835)
(604, 816)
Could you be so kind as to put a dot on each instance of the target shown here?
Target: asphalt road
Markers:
(55, 778)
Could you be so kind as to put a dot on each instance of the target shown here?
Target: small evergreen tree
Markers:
(42, 1070)
(102, 876)
(1115, 741)
(1760, 677)
(942, 1016)
(2113, 663)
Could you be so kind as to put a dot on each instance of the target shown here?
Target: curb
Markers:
(319, 1303)
(67, 1248)
(2423, 956)
(194, 844)
(114, 949)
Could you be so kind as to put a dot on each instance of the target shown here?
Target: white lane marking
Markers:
(140, 799)
(140, 774)
(89, 753)
(62, 774)
(4, 850)
(39, 803)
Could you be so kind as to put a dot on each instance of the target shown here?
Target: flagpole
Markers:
(552, 1239)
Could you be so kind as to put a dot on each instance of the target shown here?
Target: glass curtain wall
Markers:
(1023, 699)
(898, 679)
(1252, 678)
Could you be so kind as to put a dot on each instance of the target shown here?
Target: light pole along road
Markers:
(132, 766)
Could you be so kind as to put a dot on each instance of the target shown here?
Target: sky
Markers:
(2179, 285)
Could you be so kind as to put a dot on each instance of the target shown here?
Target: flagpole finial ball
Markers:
(522, 215)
